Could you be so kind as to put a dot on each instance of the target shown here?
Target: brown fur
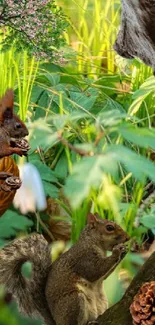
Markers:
(68, 292)
(77, 275)
(10, 126)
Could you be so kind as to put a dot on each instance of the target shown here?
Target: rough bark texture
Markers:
(136, 37)
(119, 314)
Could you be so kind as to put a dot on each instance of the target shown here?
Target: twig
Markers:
(73, 148)
(44, 226)
(98, 138)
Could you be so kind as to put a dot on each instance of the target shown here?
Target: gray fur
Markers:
(69, 292)
(29, 293)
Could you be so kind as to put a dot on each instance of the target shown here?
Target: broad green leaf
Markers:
(111, 117)
(42, 135)
(140, 166)
(143, 137)
(59, 121)
(87, 174)
(51, 67)
(42, 105)
(81, 101)
(85, 99)
(36, 93)
(108, 83)
(148, 221)
(148, 85)
(54, 78)
(61, 168)
(11, 221)
(51, 190)
(45, 172)
(141, 94)
(68, 79)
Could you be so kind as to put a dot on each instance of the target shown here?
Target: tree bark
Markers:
(119, 314)
(136, 37)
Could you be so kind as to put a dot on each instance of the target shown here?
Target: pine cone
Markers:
(143, 306)
(7, 164)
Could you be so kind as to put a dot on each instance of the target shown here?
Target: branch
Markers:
(119, 314)
(75, 149)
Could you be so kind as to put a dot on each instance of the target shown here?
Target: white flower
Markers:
(30, 196)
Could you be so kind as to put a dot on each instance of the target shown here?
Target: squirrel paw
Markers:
(13, 182)
(19, 151)
(5, 188)
(94, 322)
(120, 250)
(20, 146)
(4, 175)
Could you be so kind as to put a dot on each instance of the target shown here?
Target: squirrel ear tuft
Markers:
(92, 218)
(6, 105)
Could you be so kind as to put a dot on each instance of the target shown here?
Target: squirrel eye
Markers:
(110, 228)
(18, 125)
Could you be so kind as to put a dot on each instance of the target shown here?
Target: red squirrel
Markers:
(12, 129)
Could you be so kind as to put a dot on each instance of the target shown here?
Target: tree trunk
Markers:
(136, 37)
(119, 314)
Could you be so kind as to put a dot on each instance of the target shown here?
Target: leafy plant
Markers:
(36, 26)
(91, 132)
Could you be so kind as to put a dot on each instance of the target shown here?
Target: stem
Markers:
(39, 221)
(75, 149)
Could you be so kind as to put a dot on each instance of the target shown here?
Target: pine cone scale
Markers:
(143, 307)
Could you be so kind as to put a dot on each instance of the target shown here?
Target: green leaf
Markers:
(42, 135)
(26, 270)
(11, 221)
(141, 94)
(61, 168)
(137, 164)
(45, 172)
(81, 101)
(142, 137)
(54, 78)
(85, 99)
(148, 221)
(51, 190)
(111, 117)
(43, 103)
(51, 67)
(88, 174)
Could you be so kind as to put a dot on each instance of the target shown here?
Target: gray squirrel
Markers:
(69, 290)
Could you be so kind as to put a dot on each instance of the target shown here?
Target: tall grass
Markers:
(93, 29)
(18, 71)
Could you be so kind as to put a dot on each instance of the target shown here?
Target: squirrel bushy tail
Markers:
(29, 293)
